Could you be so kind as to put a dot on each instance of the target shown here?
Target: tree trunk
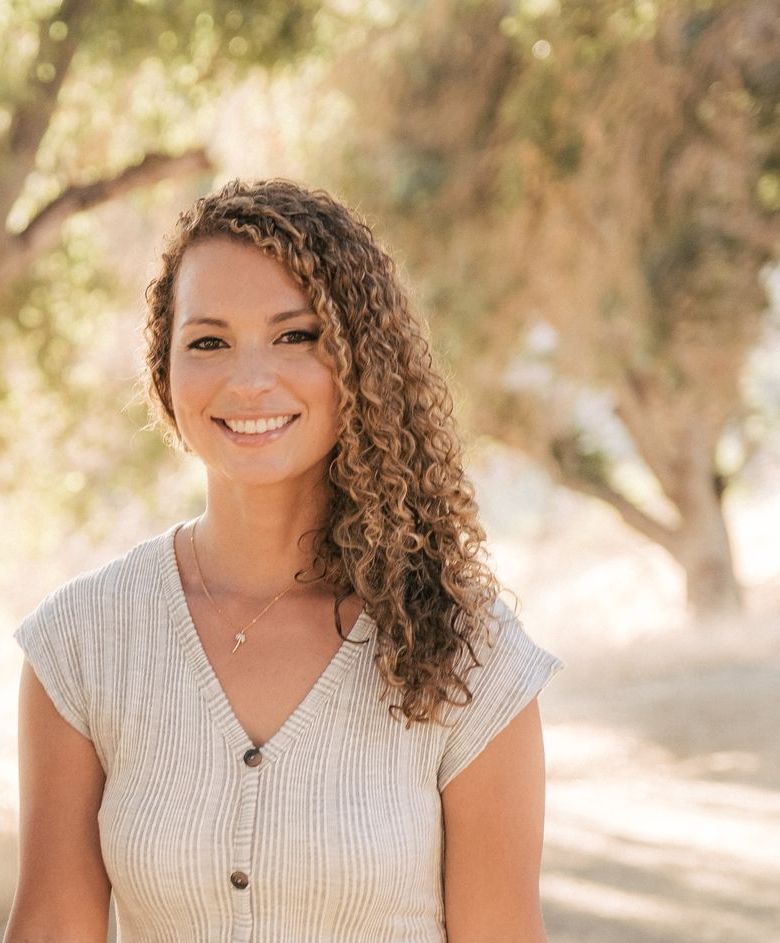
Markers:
(698, 540)
(704, 551)
(701, 543)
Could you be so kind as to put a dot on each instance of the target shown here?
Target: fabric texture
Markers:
(338, 829)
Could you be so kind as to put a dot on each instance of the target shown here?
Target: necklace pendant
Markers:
(240, 639)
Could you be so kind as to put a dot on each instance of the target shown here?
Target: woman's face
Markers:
(244, 348)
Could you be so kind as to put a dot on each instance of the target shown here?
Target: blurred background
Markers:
(583, 198)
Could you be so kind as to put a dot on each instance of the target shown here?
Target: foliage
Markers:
(606, 170)
(96, 101)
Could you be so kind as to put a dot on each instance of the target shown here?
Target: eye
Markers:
(306, 335)
(195, 345)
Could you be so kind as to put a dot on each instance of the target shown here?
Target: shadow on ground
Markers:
(663, 804)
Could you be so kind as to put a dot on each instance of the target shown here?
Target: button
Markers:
(239, 879)
(253, 757)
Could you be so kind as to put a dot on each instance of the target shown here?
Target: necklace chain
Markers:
(240, 636)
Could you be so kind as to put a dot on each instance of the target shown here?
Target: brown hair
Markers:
(403, 531)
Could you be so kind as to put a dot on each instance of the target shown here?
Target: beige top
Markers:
(334, 836)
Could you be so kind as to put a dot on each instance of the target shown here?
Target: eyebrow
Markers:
(274, 319)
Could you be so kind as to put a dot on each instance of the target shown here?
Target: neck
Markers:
(249, 545)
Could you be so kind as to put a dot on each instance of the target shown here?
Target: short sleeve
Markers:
(49, 641)
(513, 672)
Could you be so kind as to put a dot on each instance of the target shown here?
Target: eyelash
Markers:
(308, 336)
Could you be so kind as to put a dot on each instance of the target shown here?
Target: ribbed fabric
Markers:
(338, 829)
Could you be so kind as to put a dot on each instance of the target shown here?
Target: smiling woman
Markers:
(260, 364)
(205, 726)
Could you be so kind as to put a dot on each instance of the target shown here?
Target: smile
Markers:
(256, 431)
(252, 426)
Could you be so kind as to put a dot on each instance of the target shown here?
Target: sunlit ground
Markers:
(663, 807)
(663, 753)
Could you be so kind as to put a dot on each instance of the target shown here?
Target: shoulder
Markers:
(503, 645)
(93, 593)
(512, 671)
(73, 636)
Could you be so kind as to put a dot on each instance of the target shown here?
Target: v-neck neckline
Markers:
(210, 687)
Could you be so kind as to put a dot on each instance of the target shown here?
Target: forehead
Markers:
(220, 273)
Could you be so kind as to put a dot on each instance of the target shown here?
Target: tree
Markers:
(71, 76)
(605, 177)
(100, 101)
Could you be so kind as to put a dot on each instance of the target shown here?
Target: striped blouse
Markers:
(331, 833)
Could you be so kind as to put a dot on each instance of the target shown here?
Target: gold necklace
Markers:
(240, 636)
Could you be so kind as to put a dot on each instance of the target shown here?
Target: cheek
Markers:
(327, 390)
(175, 381)
(186, 384)
(183, 372)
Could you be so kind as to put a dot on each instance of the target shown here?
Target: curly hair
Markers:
(403, 529)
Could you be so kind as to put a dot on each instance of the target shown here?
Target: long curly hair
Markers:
(403, 529)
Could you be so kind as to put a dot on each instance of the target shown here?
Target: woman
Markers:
(265, 723)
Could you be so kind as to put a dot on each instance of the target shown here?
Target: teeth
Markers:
(253, 426)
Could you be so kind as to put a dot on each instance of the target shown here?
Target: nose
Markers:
(253, 371)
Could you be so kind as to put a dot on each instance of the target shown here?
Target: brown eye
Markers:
(306, 335)
(195, 345)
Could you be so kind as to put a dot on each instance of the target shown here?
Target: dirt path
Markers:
(663, 809)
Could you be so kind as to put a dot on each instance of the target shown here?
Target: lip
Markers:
(254, 438)
(248, 417)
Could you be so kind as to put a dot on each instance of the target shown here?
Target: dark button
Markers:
(239, 879)
(253, 757)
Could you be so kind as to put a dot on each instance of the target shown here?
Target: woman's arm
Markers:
(494, 827)
(63, 891)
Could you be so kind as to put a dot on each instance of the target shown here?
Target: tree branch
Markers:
(632, 408)
(573, 469)
(631, 514)
(32, 115)
(514, 421)
(43, 230)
